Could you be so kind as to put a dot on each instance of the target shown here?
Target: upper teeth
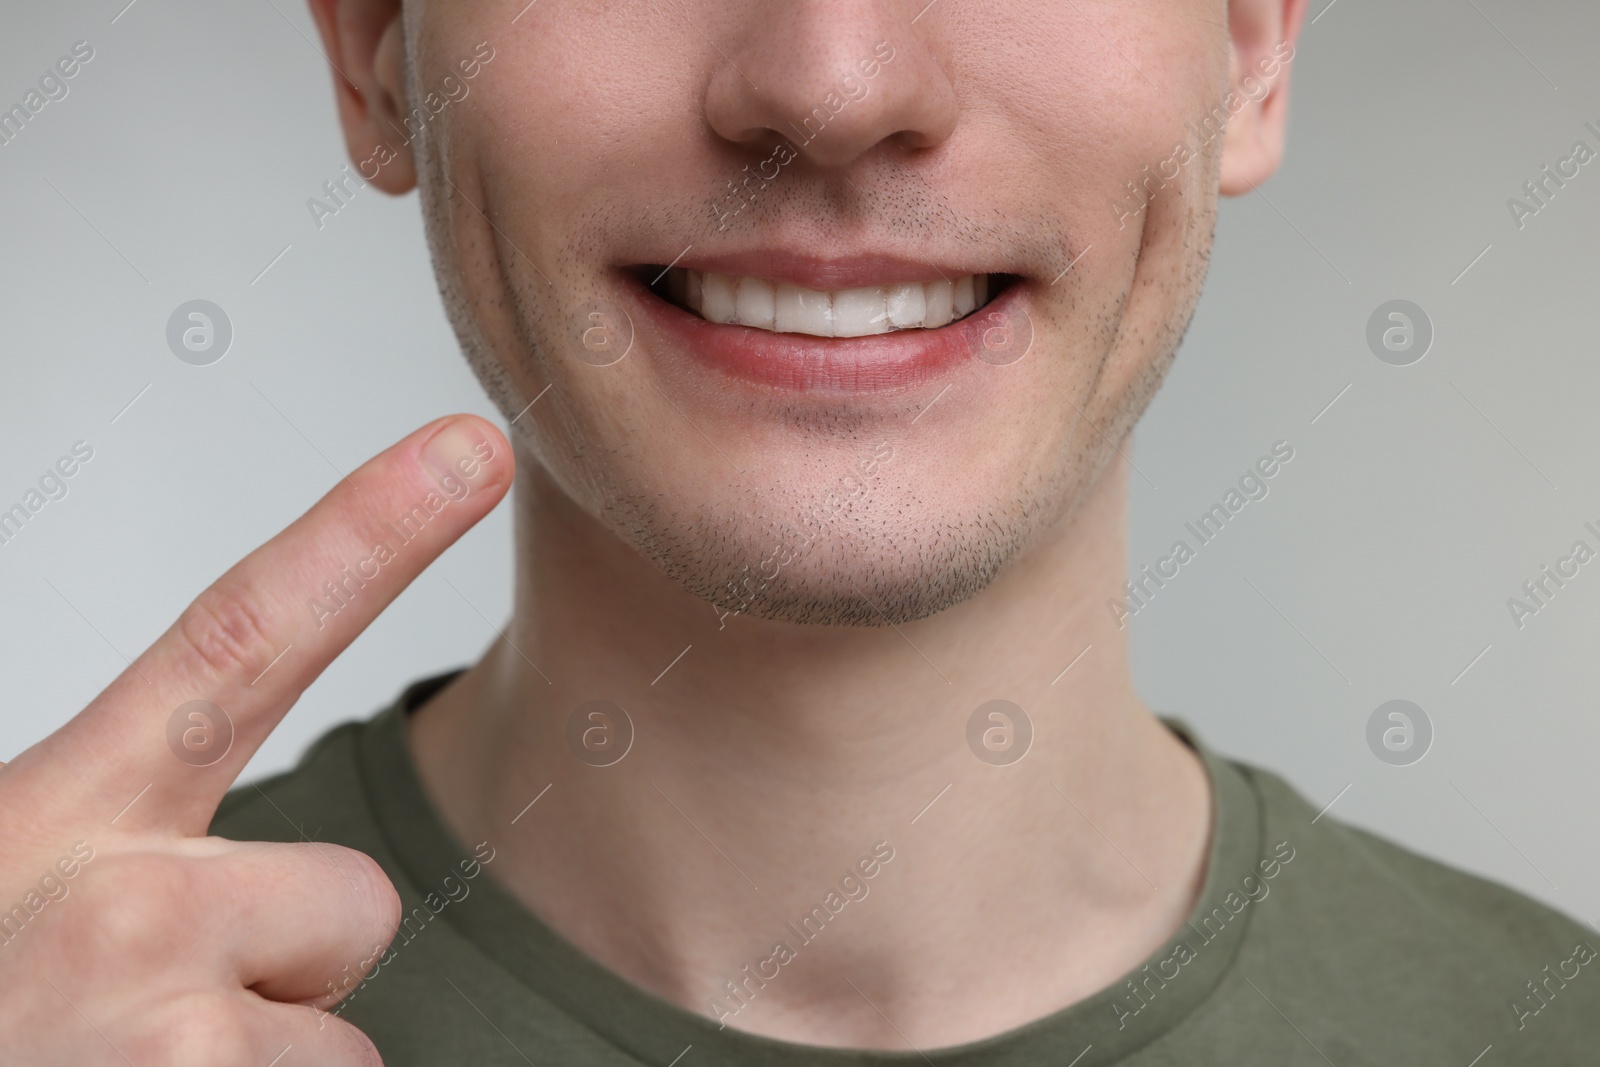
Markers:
(786, 308)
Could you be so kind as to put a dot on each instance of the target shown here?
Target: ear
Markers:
(1262, 34)
(364, 43)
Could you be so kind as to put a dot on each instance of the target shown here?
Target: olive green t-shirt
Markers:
(1312, 943)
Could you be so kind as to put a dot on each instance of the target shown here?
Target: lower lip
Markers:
(800, 362)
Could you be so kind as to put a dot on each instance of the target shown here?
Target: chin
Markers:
(813, 553)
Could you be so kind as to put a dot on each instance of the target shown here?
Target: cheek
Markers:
(553, 147)
(1079, 101)
(563, 128)
(1091, 104)
(1103, 114)
(511, 178)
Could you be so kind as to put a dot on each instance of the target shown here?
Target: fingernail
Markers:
(459, 450)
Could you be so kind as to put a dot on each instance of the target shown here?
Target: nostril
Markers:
(833, 86)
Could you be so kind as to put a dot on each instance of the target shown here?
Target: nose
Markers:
(834, 78)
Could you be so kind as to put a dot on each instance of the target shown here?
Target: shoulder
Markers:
(1368, 868)
(1393, 945)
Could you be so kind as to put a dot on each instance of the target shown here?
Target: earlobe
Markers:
(365, 46)
(1262, 36)
(390, 67)
(1253, 145)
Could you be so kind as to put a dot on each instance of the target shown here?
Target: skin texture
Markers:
(128, 935)
(657, 456)
(800, 721)
(828, 705)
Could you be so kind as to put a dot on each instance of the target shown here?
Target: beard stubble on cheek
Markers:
(794, 543)
(899, 552)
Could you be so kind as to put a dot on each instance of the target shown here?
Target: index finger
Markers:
(176, 728)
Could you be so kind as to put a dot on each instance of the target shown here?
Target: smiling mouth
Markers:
(782, 307)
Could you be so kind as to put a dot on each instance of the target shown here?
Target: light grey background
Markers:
(1378, 567)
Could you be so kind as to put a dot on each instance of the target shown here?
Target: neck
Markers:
(770, 759)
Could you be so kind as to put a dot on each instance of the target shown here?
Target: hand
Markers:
(127, 936)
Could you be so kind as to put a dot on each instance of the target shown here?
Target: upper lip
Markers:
(825, 274)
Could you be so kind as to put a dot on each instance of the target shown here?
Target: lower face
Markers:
(837, 394)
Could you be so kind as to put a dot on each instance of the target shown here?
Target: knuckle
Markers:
(199, 1031)
(133, 906)
(225, 628)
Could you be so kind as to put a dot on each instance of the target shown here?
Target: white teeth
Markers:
(801, 311)
(785, 308)
(716, 298)
(941, 309)
(965, 300)
(754, 304)
(907, 305)
(859, 312)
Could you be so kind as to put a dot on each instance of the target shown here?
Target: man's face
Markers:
(812, 168)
